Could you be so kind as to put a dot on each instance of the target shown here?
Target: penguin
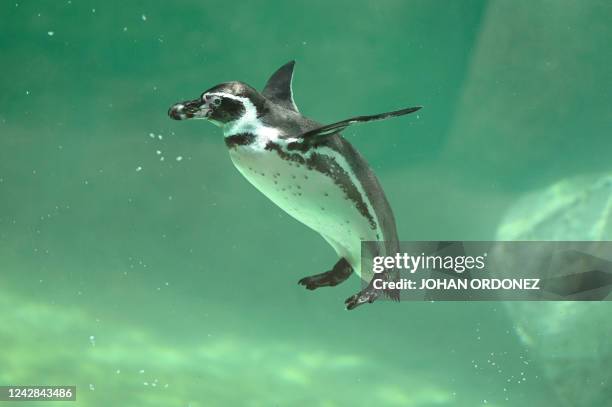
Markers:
(308, 169)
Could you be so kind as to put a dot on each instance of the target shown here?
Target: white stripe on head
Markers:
(249, 116)
(248, 122)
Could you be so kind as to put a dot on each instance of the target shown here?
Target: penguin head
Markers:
(222, 104)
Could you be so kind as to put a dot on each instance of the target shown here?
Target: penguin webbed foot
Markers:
(341, 271)
(319, 280)
(367, 295)
(370, 294)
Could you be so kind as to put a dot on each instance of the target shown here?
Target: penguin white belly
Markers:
(310, 196)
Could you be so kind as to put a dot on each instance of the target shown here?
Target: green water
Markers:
(146, 279)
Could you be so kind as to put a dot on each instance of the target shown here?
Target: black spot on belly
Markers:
(329, 167)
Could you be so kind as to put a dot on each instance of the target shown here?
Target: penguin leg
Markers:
(341, 271)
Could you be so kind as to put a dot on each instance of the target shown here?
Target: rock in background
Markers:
(571, 340)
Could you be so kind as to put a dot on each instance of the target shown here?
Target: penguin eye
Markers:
(216, 101)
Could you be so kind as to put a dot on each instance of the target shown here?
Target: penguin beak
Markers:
(189, 109)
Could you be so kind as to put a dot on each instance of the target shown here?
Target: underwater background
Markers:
(137, 264)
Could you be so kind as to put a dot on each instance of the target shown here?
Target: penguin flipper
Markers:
(337, 127)
(278, 88)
